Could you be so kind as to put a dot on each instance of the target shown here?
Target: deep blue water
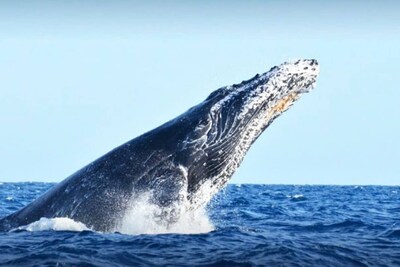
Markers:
(256, 225)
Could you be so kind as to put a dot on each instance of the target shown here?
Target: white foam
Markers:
(141, 218)
(144, 218)
(54, 224)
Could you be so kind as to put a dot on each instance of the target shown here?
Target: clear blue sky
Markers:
(78, 78)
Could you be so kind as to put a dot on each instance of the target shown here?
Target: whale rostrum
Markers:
(179, 165)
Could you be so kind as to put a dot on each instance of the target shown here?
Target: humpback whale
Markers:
(181, 163)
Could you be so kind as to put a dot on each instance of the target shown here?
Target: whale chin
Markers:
(178, 166)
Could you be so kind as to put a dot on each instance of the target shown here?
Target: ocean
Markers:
(245, 225)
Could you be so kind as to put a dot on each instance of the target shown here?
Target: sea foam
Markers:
(55, 224)
(143, 217)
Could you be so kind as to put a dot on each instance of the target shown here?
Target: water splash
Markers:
(54, 224)
(143, 217)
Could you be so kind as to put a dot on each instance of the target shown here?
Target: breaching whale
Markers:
(183, 162)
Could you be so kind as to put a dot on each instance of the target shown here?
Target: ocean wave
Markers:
(344, 225)
(297, 197)
(392, 233)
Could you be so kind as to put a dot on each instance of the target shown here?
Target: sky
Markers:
(78, 78)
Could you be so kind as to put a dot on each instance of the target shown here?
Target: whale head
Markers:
(228, 122)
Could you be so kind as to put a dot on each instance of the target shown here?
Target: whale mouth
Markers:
(282, 86)
(270, 93)
(290, 80)
(298, 76)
